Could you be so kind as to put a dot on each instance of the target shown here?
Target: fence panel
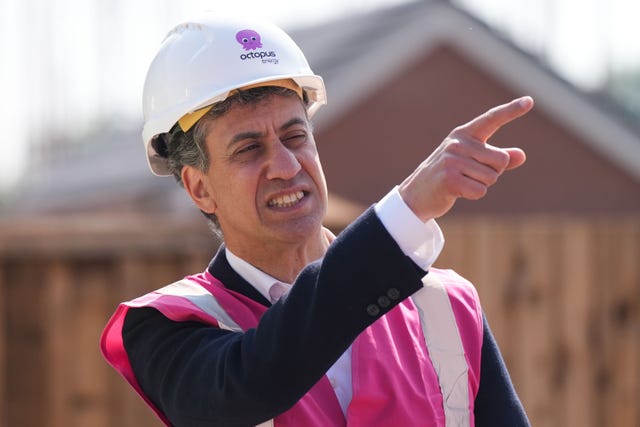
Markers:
(563, 299)
(562, 296)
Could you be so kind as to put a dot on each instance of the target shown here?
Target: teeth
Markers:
(286, 200)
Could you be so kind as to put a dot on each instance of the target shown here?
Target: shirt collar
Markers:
(260, 280)
(256, 278)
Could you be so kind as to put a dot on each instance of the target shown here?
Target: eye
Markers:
(247, 148)
(253, 39)
(295, 138)
(245, 40)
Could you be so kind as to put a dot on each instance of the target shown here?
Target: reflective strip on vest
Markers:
(208, 303)
(202, 299)
(445, 349)
(439, 326)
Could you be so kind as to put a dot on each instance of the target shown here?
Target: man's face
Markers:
(265, 179)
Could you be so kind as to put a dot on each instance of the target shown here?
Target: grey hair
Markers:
(190, 149)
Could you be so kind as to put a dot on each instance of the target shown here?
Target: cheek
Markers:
(315, 169)
(239, 188)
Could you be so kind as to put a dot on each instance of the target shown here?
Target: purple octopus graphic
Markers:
(249, 39)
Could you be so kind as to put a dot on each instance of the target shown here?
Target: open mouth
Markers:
(287, 200)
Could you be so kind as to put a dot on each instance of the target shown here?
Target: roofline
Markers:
(603, 132)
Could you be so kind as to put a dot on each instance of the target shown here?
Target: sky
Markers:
(582, 39)
(68, 65)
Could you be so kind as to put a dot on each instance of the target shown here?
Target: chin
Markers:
(300, 228)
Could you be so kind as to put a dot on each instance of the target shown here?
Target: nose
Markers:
(283, 163)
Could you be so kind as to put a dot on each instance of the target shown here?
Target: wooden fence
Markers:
(562, 296)
(563, 299)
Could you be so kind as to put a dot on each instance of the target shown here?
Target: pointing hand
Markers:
(464, 165)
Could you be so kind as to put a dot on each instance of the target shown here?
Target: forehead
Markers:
(272, 111)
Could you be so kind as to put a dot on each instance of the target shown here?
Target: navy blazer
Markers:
(199, 375)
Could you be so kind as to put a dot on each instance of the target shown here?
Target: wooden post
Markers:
(90, 386)
(131, 411)
(58, 330)
(620, 318)
(498, 260)
(535, 321)
(578, 285)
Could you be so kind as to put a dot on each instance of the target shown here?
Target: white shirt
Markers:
(422, 242)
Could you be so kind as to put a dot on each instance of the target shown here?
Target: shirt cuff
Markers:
(420, 241)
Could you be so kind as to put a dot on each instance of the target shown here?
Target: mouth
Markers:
(286, 200)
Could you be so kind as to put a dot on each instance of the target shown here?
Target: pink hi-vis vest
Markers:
(418, 365)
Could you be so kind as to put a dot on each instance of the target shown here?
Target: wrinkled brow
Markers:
(256, 135)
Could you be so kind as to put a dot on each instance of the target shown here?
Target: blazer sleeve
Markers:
(497, 403)
(199, 375)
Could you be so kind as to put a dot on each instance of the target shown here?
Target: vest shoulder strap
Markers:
(446, 349)
(200, 298)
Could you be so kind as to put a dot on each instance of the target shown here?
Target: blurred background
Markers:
(553, 249)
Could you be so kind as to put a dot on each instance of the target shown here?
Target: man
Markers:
(289, 325)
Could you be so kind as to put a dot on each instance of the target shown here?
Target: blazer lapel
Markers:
(221, 270)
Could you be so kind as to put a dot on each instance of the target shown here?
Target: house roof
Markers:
(356, 56)
(92, 175)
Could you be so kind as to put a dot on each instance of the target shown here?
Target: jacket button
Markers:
(384, 302)
(393, 293)
(373, 310)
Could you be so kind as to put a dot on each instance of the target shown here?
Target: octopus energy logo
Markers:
(251, 40)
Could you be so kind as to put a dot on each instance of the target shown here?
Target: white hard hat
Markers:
(201, 61)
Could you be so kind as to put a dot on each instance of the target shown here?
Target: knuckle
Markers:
(453, 183)
(502, 159)
(477, 192)
(450, 163)
(492, 113)
(457, 131)
(454, 146)
(492, 178)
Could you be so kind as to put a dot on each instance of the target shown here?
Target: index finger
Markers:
(486, 124)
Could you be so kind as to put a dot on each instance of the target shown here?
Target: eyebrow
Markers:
(255, 135)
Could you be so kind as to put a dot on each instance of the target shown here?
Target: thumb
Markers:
(517, 157)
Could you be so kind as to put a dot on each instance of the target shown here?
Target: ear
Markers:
(197, 185)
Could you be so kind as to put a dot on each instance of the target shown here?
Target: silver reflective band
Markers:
(445, 349)
(206, 302)
(202, 299)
